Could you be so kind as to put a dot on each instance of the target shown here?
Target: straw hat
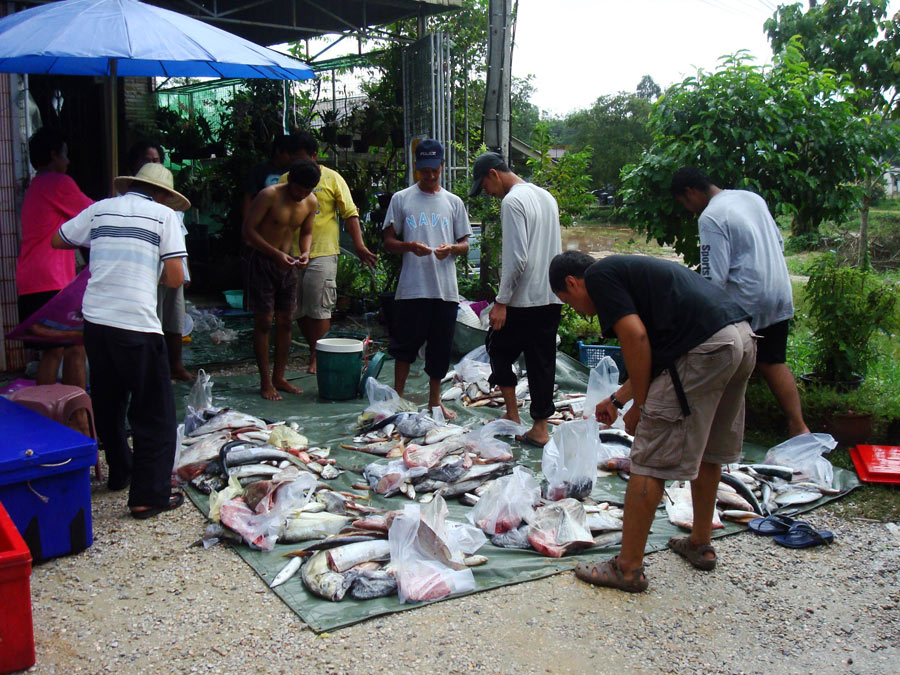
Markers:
(158, 176)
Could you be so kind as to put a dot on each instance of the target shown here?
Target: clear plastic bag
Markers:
(483, 441)
(421, 560)
(803, 454)
(386, 479)
(507, 502)
(569, 460)
(261, 530)
(474, 366)
(603, 380)
(560, 528)
(198, 400)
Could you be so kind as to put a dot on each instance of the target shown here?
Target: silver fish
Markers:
(452, 394)
(229, 419)
(253, 470)
(439, 434)
(321, 581)
(306, 526)
(602, 522)
(413, 425)
(739, 516)
(368, 584)
(794, 495)
(343, 558)
(783, 472)
(286, 572)
(483, 386)
(608, 540)
(255, 454)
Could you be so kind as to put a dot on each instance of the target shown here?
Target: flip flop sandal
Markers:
(694, 555)
(528, 440)
(801, 535)
(176, 500)
(773, 524)
(608, 575)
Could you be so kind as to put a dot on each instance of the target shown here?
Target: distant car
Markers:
(604, 197)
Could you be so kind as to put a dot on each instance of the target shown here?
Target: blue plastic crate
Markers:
(590, 356)
(45, 481)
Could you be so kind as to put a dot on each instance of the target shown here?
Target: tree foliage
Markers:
(566, 178)
(616, 128)
(648, 89)
(788, 132)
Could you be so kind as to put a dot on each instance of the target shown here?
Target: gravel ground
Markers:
(142, 600)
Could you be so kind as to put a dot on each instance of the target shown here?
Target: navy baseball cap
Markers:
(429, 154)
(483, 164)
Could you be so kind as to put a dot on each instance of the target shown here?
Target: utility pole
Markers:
(495, 120)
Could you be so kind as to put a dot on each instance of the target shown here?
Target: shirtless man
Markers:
(270, 271)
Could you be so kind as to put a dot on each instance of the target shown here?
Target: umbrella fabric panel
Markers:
(79, 37)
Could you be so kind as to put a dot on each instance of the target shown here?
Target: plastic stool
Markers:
(59, 402)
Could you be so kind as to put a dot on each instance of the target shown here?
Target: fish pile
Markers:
(233, 444)
(566, 526)
(418, 556)
(746, 491)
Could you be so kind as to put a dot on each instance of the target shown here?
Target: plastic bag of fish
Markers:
(428, 558)
(569, 460)
(805, 454)
(507, 502)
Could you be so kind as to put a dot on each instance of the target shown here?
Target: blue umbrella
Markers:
(130, 39)
(127, 38)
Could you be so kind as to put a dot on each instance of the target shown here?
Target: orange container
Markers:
(16, 630)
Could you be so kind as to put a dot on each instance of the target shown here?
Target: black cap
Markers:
(429, 154)
(484, 163)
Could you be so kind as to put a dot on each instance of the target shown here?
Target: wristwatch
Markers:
(616, 402)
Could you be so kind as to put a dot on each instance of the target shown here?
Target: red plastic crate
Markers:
(16, 629)
(877, 463)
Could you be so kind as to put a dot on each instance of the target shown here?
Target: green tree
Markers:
(855, 38)
(566, 178)
(788, 132)
(648, 89)
(616, 128)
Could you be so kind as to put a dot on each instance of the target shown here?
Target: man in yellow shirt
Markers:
(317, 287)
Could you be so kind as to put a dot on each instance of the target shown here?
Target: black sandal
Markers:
(175, 500)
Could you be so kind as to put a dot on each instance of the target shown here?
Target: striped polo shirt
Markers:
(128, 236)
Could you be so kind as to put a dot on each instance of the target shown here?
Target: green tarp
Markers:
(328, 423)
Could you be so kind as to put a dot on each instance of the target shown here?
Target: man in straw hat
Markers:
(131, 238)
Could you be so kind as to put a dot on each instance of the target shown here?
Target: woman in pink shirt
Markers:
(41, 270)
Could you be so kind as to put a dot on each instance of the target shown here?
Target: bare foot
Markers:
(511, 417)
(269, 393)
(311, 369)
(182, 375)
(448, 414)
(284, 385)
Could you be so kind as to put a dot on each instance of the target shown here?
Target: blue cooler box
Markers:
(45, 481)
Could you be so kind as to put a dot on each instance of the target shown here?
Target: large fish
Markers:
(305, 526)
(680, 508)
(204, 450)
(229, 419)
(343, 558)
(321, 581)
(368, 584)
(743, 490)
(414, 425)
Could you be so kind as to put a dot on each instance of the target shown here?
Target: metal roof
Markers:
(269, 22)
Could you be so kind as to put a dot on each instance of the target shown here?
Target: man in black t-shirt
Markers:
(689, 352)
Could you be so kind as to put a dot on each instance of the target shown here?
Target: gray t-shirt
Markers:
(529, 216)
(433, 219)
(742, 252)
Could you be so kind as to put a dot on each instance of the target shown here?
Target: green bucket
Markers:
(338, 368)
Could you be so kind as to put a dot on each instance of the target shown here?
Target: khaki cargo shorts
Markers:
(714, 376)
(317, 288)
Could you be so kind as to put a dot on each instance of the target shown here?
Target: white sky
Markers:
(579, 50)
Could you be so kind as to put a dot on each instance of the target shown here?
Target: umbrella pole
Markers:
(113, 105)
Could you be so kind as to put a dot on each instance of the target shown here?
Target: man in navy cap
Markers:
(525, 315)
(429, 227)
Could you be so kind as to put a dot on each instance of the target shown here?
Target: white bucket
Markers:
(339, 345)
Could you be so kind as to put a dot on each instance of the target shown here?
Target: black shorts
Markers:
(267, 287)
(531, 332)
(28, 305)
(417, 321)
(772, 345)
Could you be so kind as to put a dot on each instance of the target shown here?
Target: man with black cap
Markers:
(136, 243)
(525, 315)
(429, 227)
